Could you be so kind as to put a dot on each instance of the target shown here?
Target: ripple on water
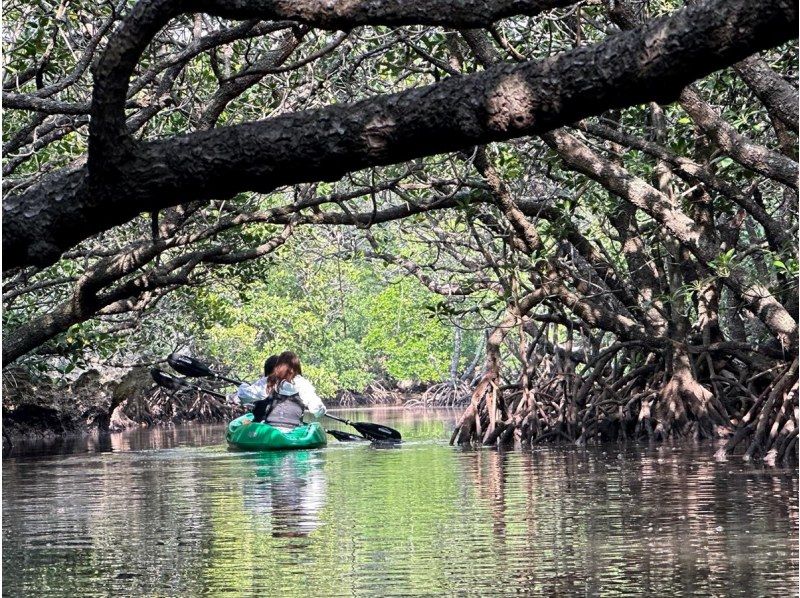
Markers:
(177, 514)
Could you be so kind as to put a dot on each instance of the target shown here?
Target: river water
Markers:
(172, 512)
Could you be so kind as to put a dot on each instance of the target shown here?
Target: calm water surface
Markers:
(174, 513)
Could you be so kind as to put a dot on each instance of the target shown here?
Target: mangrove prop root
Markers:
(645, 402)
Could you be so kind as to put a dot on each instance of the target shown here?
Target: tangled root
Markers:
(614, 403)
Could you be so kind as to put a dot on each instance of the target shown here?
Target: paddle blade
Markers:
(377, 431)
(345, 437)
(189, 366)
(173, 383)
(165, 380)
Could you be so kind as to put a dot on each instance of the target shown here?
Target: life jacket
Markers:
(280, 410)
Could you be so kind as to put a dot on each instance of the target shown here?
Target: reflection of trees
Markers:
(161, 437)
(104, 524)
(665, 522)
(422, 519)
(489, 479)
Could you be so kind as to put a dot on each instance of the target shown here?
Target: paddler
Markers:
(283, 394)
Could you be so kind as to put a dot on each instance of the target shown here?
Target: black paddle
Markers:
(345, 436)
(173, 383)
(189, 366)
(371, 431)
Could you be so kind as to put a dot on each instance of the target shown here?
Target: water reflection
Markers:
(174, 513)
(161, 437)
(287, 492)
(487, 470)
(636, 521)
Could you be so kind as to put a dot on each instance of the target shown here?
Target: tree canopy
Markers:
(607, 189)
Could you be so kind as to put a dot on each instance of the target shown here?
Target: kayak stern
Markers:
(243, 433)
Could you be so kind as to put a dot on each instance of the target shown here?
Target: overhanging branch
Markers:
(653, 62)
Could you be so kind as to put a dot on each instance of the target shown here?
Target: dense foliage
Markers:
(351, 325)
(629, 255)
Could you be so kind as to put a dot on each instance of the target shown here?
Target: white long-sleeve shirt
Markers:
(248, 393)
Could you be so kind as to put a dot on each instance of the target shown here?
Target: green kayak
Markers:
(244, 434)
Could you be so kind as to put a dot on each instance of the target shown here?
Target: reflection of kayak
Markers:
(284, 491)
(263, 437)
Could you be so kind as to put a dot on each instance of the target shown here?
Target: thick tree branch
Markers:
(777, 234)
(749, 154)
(506, 101)
(102, 290)
(779, 97)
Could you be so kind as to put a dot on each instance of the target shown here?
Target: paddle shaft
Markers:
(213, 393)
(229, 380)
(339, 419)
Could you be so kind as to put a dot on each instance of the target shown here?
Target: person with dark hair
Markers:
(269, 364)
(281, 397)
(258, 389)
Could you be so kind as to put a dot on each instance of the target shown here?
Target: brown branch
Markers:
(505, 101)
(749, 154)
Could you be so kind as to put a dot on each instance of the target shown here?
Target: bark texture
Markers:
(124, 178)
